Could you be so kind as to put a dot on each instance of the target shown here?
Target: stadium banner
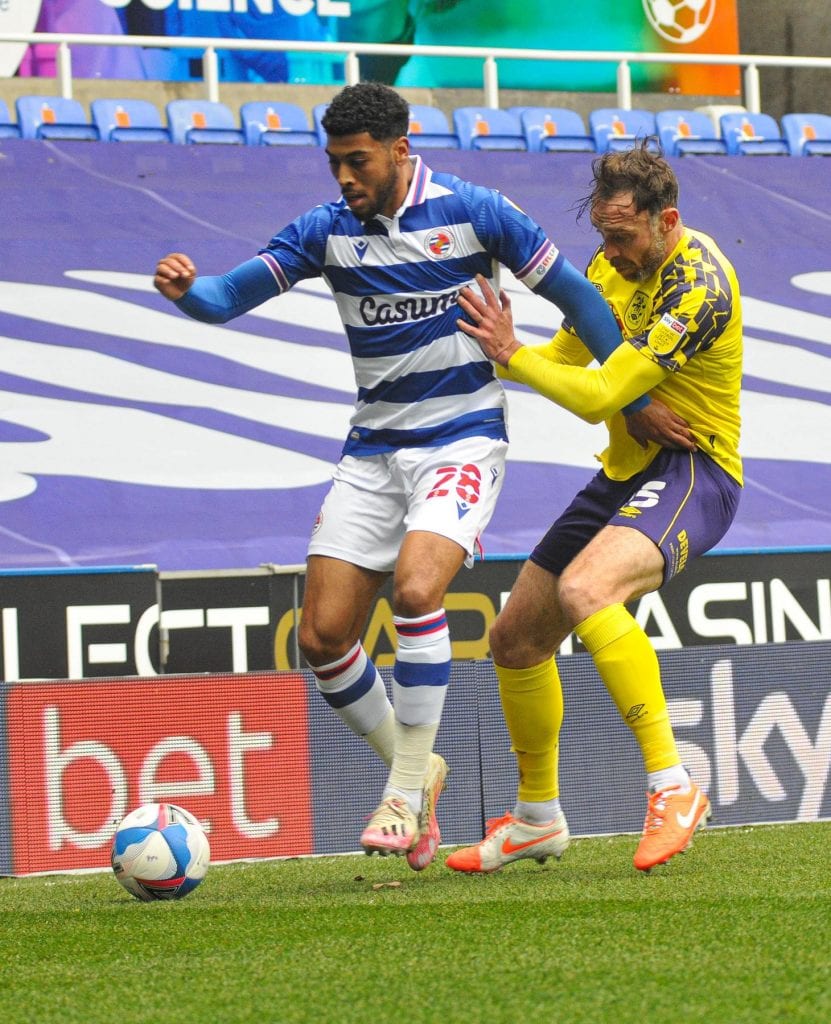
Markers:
(78, 623)
(234, 750)
(265, 765)
(737, 599)
(752, 724)
(53, 625)
(131, 434)
(230, 621)
(670, 26)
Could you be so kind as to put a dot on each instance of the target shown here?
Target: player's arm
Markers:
(592, 394)
(509, 235)
(296, 252)
(564, 349)
(655, 422)
(584, 307)
(214, 299)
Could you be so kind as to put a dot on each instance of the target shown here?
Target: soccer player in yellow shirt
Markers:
(639, 521)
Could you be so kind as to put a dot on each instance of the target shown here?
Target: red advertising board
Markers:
(232, 749)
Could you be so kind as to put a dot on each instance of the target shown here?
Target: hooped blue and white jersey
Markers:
(421, 381)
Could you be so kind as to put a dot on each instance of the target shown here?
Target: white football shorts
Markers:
(375, 500)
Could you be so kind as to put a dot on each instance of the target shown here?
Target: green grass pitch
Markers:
(737, 930)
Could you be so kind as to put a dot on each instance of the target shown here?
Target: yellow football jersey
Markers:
(685, 319)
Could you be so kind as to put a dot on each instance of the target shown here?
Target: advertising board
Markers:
(263, 762)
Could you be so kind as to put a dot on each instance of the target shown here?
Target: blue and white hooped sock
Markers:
(355, 691)
(420, 678)
(422, 668)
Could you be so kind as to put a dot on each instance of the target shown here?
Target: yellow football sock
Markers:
(628, 666)
(532, 702)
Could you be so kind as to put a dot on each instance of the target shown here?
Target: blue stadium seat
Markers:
(267, 123)
(488, 128)
(128, 120)
(554, 129)
(688, 131)
(715, 110)
(616, 128)
(807, 134)
(53, 117)
(8, 129)
(203, 121)
(752, 135)
(429, 129)
(318, 110)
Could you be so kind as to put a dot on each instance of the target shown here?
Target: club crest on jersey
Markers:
(440, 243)
(636, 312)
(667, 334)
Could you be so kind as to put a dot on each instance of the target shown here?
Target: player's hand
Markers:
(489, 321)
(175, 273)
(657, 422)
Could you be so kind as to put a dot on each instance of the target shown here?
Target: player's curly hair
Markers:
(367, 107)
(641, 170)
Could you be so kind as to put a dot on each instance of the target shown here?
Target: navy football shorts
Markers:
(683, 501)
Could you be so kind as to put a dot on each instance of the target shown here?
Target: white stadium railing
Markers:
(623, 59)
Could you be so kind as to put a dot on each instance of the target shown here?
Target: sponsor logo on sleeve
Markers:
(545, 265)
(667, 334)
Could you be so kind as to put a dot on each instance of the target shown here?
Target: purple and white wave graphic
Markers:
(130, 434)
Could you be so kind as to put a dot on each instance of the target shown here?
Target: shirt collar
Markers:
(418, 185)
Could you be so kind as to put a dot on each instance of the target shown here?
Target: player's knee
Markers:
(318, 647)
(578, 596)
(512, 646)
(502, 640)
(414, 598)
(307, 641)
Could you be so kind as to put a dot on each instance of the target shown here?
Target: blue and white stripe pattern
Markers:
(352, 687)
(422, 667)
(421, 381)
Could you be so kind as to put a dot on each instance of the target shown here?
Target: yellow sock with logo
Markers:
(532, 702)
(628, 666)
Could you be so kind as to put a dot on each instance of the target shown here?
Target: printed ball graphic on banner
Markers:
(160, 852)
(680, 21)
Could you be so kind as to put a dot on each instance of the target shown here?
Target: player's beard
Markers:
(384, 192)
(653, 258)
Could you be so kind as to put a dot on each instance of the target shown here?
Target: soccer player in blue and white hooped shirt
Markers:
(424, 459)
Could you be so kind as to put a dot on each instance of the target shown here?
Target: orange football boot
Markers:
(508, 839)
(671, 819)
